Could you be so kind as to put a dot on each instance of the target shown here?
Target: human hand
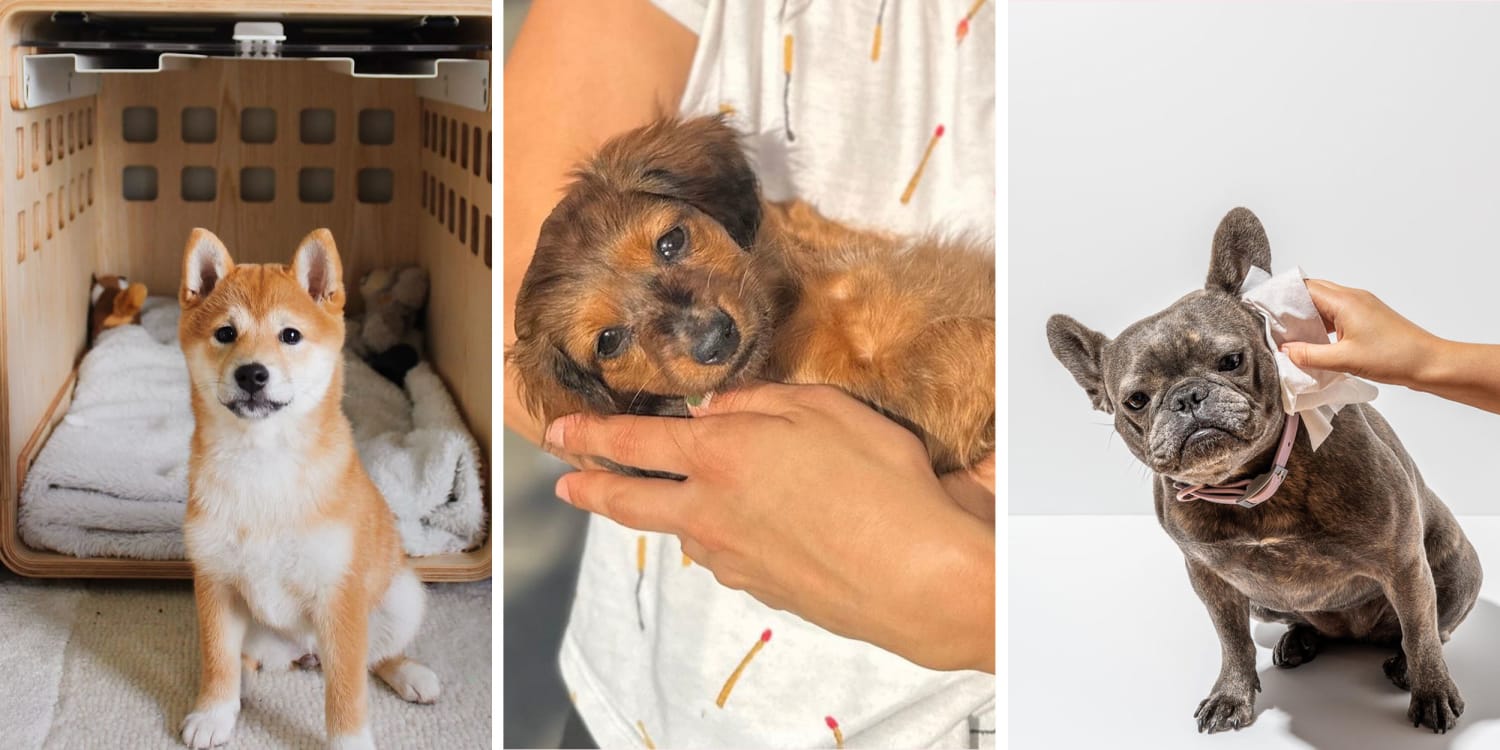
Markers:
(811, 502)
(1374, 341)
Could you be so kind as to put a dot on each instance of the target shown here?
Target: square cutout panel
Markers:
(138, 124)
(377, 127)
(138, 183)
(376, 185)
(199, 184)
(257, 184)
(199, 125)
(317, 126)
(258, 125)
(315, 185)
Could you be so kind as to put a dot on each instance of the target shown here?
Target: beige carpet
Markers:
(114, 665)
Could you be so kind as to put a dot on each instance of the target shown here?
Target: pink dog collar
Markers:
(1246, 493)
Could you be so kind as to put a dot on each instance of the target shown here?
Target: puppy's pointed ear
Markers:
(1081, 350)
(205, 263)
(552, 384)
(699, 162)
(1239, 243)
(319, 271)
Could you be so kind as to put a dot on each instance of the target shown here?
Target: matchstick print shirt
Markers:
(880, 114)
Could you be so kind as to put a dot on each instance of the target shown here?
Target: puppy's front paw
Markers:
(360, 741)
(1437, 708)
(1225, 710)
(210, 726)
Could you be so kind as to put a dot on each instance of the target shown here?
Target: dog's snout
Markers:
(715, 339)
(252, 377)
(1188, 397)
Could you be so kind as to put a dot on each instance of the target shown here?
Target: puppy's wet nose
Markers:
(716, 339)
(1188, 398)
(252, 377)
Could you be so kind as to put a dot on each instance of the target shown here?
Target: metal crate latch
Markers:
(259, 39)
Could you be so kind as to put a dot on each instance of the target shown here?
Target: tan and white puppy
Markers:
(293, 547)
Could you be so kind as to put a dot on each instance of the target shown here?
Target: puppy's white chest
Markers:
(281, 576)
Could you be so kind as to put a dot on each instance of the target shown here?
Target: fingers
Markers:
(659, 443)
(637, 502)
(1315, 356)
(1329, 298)
(763, 397)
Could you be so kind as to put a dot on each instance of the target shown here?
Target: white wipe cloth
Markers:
(1317, 395)
(112, 478)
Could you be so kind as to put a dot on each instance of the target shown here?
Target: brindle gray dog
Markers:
(1354, 545)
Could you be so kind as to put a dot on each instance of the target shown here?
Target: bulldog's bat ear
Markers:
(1080, 349)
(1239, 243)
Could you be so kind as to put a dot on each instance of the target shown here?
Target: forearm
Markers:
(952, 610)
(577, 74)
(1466, 373)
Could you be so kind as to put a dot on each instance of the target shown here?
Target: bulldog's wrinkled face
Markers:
(1193, 389)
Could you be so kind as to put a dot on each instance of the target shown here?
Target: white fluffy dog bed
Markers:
(112, 479)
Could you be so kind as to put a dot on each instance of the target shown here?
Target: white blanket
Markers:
(112, 479)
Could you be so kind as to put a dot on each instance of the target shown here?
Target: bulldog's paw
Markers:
(1437, 708)
(210, 726)
(1395, 671)
(1299, 645)
(1225, 710)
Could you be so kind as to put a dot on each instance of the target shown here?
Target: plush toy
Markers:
(114, 302)
(388, 335)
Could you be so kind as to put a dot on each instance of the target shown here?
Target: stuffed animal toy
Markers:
(114, 302)
(388, 335)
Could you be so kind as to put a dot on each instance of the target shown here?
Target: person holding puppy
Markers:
(799, 498)
(1377, 343)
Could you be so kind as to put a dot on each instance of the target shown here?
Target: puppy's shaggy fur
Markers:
(662, 274)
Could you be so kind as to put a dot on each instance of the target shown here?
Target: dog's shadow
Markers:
(1342, 698)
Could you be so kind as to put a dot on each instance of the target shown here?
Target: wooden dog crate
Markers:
(107, 171)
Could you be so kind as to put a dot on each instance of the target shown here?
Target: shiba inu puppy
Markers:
(294, 550)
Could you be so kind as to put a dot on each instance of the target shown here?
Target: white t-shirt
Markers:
(653, 640)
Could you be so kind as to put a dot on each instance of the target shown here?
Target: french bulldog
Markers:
(1352, 546)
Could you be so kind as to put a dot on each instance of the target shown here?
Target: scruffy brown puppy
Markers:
(662, 275)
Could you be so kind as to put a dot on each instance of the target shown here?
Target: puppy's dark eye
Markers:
(1230, 362)
(611, 342)
(670, 246)
(224, 334)
(1137, 401)
(290, 335)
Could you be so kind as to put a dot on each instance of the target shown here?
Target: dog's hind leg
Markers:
(393, 624)
(1299, 645)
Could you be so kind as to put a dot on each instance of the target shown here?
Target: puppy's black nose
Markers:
(252, 377)
(716, 339)
(1187, 398)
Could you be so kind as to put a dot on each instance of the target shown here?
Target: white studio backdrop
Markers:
(1365, 136)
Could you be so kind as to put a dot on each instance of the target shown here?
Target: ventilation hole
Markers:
(489, 157)
(90, 112)
(442, 136)
(139, 183)
(377, 127)
(437, 196)
(315, 185)
(91, 186)
(478, 149)
(452, 204)
(21, 237)
(474, 235)
(138, 124)
(49, 140)
(257, 184)
(453, 141)
(20, 152)
(199, 184)
(36, 146)
(487, 241)
(424, 188)
(376, 185)
(442, 202)
(36, 226)
(51, 211)
(258, 125)
(463, 219)
(62, 215)
(72, 199)
(317, 126)
(62, 137)
(463, 155)
(199, 125)
(426, 131)
(72, 144)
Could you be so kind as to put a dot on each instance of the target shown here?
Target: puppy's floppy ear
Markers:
(205, 263)
(318, 270)
(1239, 243)
(1080, 349)
(697, 161)
(552, 384)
